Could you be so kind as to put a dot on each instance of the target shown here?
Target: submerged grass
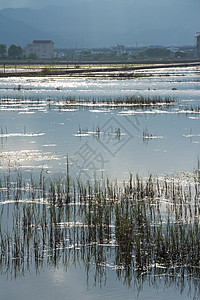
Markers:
(141, 228)
(134, 102)
(123, 101)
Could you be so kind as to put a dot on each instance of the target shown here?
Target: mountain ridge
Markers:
(96, 25)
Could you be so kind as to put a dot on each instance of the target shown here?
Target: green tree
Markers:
(86, 55)
(181, 54)
(2, 51)
(124, 56)
(14, 51)
(32, 55)
(157, 53)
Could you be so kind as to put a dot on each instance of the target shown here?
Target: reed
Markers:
(145, 225)
(134, 100)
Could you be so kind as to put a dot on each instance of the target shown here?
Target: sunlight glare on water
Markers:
(42, 134)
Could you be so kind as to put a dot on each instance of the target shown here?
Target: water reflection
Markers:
(126, 134)
(143, 230)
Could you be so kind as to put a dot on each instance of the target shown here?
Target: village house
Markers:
(42, 48)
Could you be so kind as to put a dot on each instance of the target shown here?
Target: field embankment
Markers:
(86, 70)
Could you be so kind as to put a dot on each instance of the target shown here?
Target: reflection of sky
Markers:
(172, 152)
(44, 139)
(174, 146)
(58, 283)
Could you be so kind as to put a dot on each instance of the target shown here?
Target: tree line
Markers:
(142, 54)
(12, 52)
(16, 52)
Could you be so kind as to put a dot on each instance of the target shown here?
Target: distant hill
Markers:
(18, 32)
(100, 23)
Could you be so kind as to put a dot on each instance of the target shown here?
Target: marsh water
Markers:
(54, 124)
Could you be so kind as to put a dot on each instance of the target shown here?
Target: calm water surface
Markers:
(39, 132)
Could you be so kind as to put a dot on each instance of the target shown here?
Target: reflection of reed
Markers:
(142, 230)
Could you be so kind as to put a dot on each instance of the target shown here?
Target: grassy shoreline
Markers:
(124, 70)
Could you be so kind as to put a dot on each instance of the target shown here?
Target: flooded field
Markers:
(99, 186)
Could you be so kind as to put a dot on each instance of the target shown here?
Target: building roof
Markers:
(42, 41)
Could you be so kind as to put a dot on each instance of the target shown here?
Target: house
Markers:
(42, 48)
(119, 49)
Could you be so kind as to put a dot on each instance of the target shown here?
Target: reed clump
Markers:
(137, 101)
(133, 100)
(143, 226)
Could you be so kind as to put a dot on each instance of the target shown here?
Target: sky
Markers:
(121, 21)
(177, 4)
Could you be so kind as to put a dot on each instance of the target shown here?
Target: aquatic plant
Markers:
(141, 228)
(121, 101)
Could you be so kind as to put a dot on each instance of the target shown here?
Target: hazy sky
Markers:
(120, 21)
(177, 4)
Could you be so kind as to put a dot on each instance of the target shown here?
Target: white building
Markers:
(42, 48)
(119, 49)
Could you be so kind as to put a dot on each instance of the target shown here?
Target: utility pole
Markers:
(198, 44)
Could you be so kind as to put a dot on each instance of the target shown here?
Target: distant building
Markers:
(198, 43)
(103, 51)
(42, 48)
(156, 46)
(173, 49)
(119, 49)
